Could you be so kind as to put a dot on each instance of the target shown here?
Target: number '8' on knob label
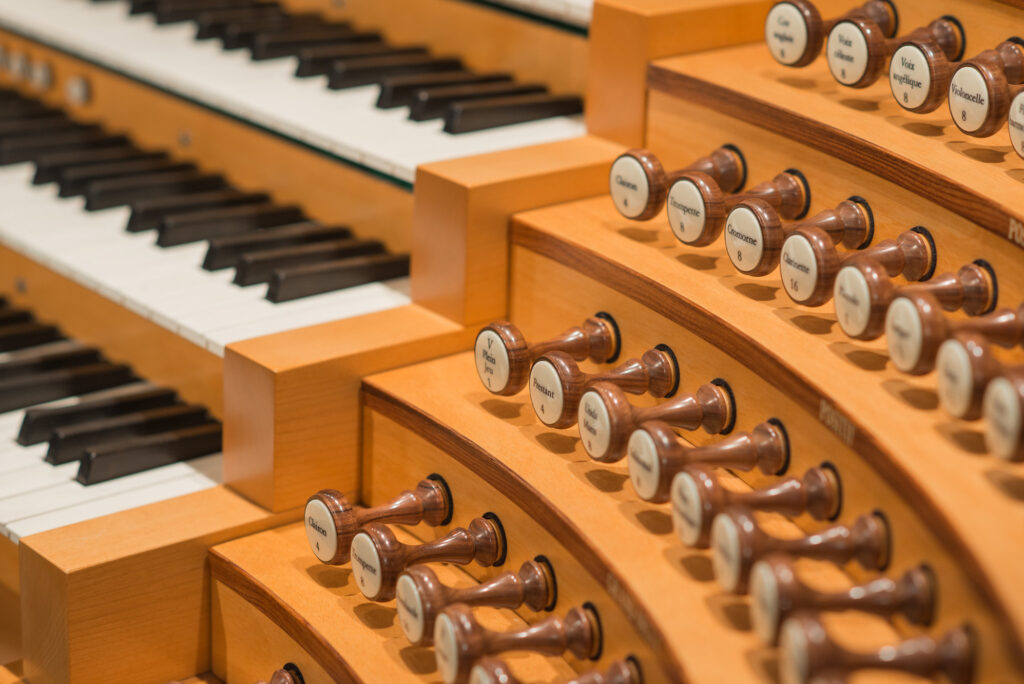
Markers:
(785, 32)
(903, 334)
(798, 268)
(852, 301)
(744, 240)
(595, 424)
(628, 184)
(687, 213)
(847, 53)
(910, 79)
(1004, 416)
(492, 364)
(968, 99)
(366, 565)
(409, 604)
(546, 392)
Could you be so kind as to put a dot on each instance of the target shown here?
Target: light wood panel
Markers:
(11, 673)
(136, 579)
(275, 602)
(840, 401)
(10, 606)
(460, 222)
(487, 39)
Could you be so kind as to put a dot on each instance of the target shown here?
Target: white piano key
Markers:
(38, 475)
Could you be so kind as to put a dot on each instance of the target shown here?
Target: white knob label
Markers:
(478, 675)
(1016, 123)
(794, 654)
(852, 300)
(76, 90)
(628, 183)
(798, 268)
(847, 53)
(320, 530)
(1004, 416)
(725, 552)
(410, 608)
(955, 378)
(491, 360)
(17, 65)
(546, 392)
(687, 512)
(644, 467)
(785, 32)
(687, 213)
(910, 79)
(968, 99)
(446, 650)
(366, 565)
(764, 602)
(42, 75)
(903, 334)
(595, 425)
(744, 240)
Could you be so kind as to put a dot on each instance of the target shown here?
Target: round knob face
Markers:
(366, 565)
(595, 425)
(686, 211)
(744, 239)
(629, 186)
(969, 99)
(42, 76)
(903, 334)
(446, 648)
(725, 552)
(910, 79)
(687, 513)
(764, 603)
(320, 530)
(409, 604)
(492, 364)
(77, 91)
(785, 32)
(798, 268)
(956, 378)
(847, 53)
(1003, 422)
(546, 392)
(18, 65)
(644, 466)
(794, 654)
(478, 675)
(1016, 123)
(852, 300)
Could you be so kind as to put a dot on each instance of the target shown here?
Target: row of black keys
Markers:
(264, 242)
(432, 87)
(120, 427)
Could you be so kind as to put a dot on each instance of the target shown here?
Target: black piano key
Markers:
(60, 357)
(433, 103)
(213, 23)
(304, 281)
(144, 453)
(21, 335)
(258, 267)
(316, 61)
(4, 303)
(174, 11)
(68, 443)
(399, 91)
(274, 45)
(181, 229)
(32, 147)
(142, 6)
(242, 34)
(76, 180)
(39, 423)
(9, 316)
(113, 192)
(21, 392)
(225, 252)
(36, 124)
(464, 117)
(20, 109)
(50, 165)
(147, 214)
(366, 70)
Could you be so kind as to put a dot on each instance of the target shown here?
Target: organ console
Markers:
(979, 91)
(557, 383)
(738, 541)
(495, 671)
(795, 32)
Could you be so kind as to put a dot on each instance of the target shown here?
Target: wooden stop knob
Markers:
(606, 418)
(980, 89)
(1003, 407)
(460, 641)
(807, 654)
(698, 496)
(655, 455)
(332, 522)
(737, 542)
(965, 365)
(777, 593)
(420, 596)
(378, 557)
(557, 383)
(503, 356)
(495, 671)
(289, 674)
(794, 30)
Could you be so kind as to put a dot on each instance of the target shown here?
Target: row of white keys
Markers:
(344, 123)
(573, 12)
(165, 285)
